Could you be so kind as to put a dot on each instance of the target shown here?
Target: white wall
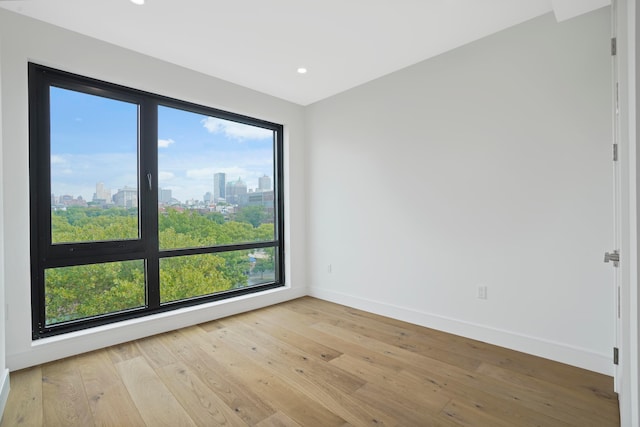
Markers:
(490, 164)
(30, 40)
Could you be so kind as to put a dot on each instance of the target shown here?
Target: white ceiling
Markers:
(260, 44)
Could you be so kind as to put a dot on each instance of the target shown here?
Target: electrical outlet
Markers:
(482, 292)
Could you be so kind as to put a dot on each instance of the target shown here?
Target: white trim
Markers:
(628, 370)
(5, 387)
(571, 355)
(61, 346)
(634, 298)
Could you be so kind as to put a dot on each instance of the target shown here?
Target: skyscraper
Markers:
(164, 196)
(264, 183)
(235, 191)
(219, 186)
(102, 194)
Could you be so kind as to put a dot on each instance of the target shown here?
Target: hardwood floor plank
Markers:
(313, 348)
(187, 345)
(413, 392)
(109, 399)
(271, 387)
(538, 401)
(399, 337)
(309, 363)
(298, 323)
(24, 405)
(467, 415)
(156, 354)
(477, 395)
(124, 351)
(405, 358)
(64, 399)
(577, 406)
(156, 403)
(406, 412)
(204, 406)
(304, 376)
(278, 419)
(291, 360)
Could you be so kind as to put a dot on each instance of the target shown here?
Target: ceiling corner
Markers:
(567, 9)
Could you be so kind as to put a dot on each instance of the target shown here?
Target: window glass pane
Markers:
(94, 172)
(216, 181)
(192, 276)
(91, 290)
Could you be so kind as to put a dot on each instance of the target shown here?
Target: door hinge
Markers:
(615, 355)
(613, 257)
(614, 46)
(615, 152)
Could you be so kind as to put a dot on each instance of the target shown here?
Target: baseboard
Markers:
(536, 346)
(5, 386)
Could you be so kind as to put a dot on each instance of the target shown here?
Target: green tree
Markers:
(262, 265)
(254, 215)
(89, 290)
(216, 217)
(83, 291)
(192, 276)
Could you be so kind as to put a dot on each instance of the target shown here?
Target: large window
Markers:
(142, 203)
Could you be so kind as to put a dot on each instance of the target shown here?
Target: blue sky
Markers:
(94, 139)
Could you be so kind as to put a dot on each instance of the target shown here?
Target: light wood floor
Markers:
(309, 363)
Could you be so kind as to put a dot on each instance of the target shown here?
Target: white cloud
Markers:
(200, 173)
(164, 143)
(235, 130)
(166, 176)
(58, 160)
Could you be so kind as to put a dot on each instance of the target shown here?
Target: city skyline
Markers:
(103, 193)
(95, 139)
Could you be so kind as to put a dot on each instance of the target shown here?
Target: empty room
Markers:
(289, 213)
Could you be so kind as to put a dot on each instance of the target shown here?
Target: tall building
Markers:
(264, 183)
(102, 194)
(126, 197)
(164, 196)
(219, 186)
(235, 190)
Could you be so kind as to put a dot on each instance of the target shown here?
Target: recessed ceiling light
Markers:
(302, 70)
(138, 2)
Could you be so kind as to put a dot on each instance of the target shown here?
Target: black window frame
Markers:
(45, 255)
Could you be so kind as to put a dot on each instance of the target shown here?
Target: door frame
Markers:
(627, 372)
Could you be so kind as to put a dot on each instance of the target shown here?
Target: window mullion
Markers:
(148, 125)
